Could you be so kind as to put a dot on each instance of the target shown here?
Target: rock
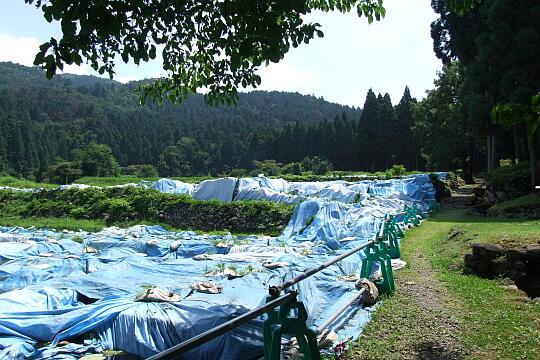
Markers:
(509, 281)
(175, 245)
(519, 266)
(532, 250)
(516, 254)
(487, 250)
(453, 267)
(453, 234)
(499, 266)
(225, 272)
(410, 283)
(524, 299)
(350, 278)
(89, 250)
(469, 260)
(510, 287)
(275, 265)
(155, 294)
(483, 267)
(536, 300)
(201, 257)
(206, 287)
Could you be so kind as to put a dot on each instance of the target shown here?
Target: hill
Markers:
(42, 120)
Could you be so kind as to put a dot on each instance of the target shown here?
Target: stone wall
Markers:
(522, 264)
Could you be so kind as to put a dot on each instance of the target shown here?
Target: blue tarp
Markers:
(58, 289)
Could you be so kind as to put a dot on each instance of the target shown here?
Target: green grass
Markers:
(96, 225)
(527, 206)
(493, 324)
(497, 327)
(53, 223)
(125, 179)
(22, 183)
(507, 232)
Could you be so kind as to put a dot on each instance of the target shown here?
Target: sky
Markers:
(353, 56)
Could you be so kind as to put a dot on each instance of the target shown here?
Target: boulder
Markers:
(487, 250)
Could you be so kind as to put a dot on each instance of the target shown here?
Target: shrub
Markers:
(117, 205)
(396, 170)
(294, 168)
(516, 176)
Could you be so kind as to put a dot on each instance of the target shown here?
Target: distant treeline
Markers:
(47, 123)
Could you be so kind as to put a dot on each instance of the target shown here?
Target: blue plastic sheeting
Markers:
(220, 189)
(268, 194)
(45, 274)
(173, 187)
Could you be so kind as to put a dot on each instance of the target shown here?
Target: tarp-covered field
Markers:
(81, 287)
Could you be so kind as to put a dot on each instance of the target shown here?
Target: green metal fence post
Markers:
(289, 319)
(391, 237)
(378, 253)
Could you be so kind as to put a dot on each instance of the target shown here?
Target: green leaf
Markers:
(39, 58)
(235, 61)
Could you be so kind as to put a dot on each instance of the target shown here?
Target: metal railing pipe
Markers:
(222, 329)
(275, 290)
(380, 234)
(331, 319)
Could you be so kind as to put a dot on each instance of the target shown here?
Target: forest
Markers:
(59, 122)
(482, 110)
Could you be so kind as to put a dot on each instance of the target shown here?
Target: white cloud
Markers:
(285, 77)
(23, 51)
(126, 79)
(76, 69)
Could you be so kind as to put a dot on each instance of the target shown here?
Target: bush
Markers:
(117, 205)
(142, 171)
(238, 173)
(316, 164)
(294, 168)
(515, 176)
(527, 206)
(395, 171)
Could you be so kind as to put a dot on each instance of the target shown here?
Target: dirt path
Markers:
(419, 321)
(439, 325)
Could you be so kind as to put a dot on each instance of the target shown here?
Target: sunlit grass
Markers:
(495, 325)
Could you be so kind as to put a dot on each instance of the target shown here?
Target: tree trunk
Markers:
(494, 160)
(488, 155)
(516, 144)
(533, 161)
(468, 171)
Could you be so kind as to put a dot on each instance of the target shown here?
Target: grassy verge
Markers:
(524, 206)
(53, 223)
(95, 225)
(22, 183)
(126, 179)
(493, 324)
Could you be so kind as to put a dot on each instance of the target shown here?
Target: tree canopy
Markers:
(213, 44)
